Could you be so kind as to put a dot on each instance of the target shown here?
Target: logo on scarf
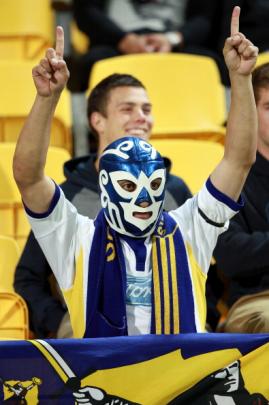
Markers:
(110, 248)
(161, 231)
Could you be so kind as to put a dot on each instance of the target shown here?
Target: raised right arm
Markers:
(50, 77)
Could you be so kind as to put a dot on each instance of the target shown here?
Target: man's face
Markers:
(229, 376)
(128, 113)
(263, 122)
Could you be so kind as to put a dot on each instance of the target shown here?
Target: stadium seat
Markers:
(16, 224)
(263, 57)
(192, 160)
(21, 241)
(80, 41)
(9, 256)
(26, 28)
(186, 92)
(17, 95)
(14, 320)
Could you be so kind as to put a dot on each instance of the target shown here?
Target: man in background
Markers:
(242, 253)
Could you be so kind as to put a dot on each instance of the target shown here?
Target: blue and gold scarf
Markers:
(172, 294)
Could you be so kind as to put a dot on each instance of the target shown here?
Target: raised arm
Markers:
(241, 137)
(50, 77)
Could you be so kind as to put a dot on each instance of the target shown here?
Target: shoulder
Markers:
(178, 188)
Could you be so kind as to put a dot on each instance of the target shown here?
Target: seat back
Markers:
(263, 58)
(9, 256)
(192, 160)
(186, 91)
(14, 320)
(26, 28)
(80, 41)
(8, 188)
(15, 105)
(13, 221)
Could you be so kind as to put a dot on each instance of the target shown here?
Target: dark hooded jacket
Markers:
(242, 251)
(91, 18)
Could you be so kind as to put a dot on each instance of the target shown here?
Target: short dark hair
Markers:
(260, 79)
(97, 101)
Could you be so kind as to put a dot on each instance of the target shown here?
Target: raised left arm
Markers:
(241, 137)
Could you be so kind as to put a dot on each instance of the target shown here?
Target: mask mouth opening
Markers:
(142, 215)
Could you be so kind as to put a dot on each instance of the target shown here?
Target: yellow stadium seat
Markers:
(10, 201)
(186, 92)
(17, 95)
(26, 28)
(192, 160)
(14, 320)
(9, 256)
(80, 41)
(21, 241)
(7, 217)
(263, 57)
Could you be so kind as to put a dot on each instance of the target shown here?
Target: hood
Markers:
(81, 171)
(167, 164)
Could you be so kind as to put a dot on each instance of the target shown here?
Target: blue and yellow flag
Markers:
(177, 369)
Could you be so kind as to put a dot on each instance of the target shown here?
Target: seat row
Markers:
(186, 105)
(13, 221)
(186, 92)
(187, 95)
(14, 319)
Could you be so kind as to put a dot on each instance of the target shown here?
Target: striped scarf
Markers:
(172, 295)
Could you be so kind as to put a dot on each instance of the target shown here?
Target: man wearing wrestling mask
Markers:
(135, 269)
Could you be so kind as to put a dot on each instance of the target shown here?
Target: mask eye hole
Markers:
(127, 185)
(155, 184)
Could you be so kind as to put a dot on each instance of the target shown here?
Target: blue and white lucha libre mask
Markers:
(134, 160)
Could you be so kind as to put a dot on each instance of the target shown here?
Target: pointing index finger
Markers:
(235, 20)
(59, 47)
